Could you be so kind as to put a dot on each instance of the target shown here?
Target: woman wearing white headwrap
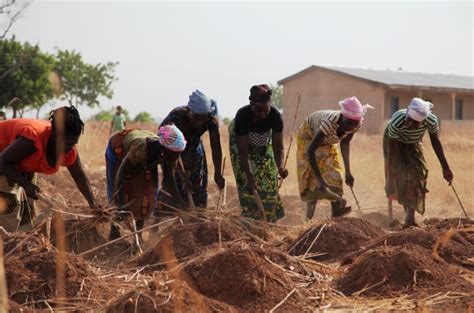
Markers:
(405, 166)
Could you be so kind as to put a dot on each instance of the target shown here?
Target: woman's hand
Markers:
(283, 172)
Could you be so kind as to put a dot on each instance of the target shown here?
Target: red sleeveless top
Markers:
(38, 131)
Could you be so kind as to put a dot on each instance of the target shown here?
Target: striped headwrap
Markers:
(172, 138)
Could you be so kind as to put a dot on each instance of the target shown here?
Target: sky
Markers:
(166, 50)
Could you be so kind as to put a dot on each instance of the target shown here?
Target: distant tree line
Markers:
(106, 116)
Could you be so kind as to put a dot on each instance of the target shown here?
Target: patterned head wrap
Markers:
(352, 109)
(199, 103)
(171, 138)
(418, 109)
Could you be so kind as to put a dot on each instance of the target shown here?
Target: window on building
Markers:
(394, 105)
(458, 109)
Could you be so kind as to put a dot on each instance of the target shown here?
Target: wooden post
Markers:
(453, 106)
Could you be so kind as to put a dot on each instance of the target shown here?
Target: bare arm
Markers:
(438, 149)
(345, 152)
(243, 150)
(17, 151)
(215, 140)
(278, 149)
(82, 182)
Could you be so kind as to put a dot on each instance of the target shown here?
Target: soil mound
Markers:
(179, 297)
(82, 236)
(338, 238)
(390, 270)
(241, 277)
(31, 276)
(440, 223)
(188, 240)
(449, 245)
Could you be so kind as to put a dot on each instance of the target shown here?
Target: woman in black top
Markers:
(256, 151)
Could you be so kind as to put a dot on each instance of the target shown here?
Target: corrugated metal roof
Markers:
(403, 79)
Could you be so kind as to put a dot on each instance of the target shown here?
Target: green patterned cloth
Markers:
(411, 175)
(264, 169)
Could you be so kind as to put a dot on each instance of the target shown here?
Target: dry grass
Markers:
(367, 167)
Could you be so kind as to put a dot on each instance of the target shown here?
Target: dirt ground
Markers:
(218, 263)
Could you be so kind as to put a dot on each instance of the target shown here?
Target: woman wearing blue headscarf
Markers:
(194, 119)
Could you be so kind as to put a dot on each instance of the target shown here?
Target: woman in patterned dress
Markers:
(256, 151)
(132, 157)
(194, 119)
(318, 165)
(406, 172)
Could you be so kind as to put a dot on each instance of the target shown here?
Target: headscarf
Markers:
(199, 103)
(171, 138)
(418, 109)
(260, 93)
(352, 109)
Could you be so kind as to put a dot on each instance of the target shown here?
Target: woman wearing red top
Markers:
(29, 146)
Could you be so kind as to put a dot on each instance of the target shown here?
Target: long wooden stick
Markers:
(185, 179)
(295, 117)
(314, 240)
(219, 206)
(221, 190)
(3, 282)
(260, 206)
(282, 301)
(459, 200)
(356, 200)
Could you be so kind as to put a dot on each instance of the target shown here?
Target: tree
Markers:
(106, 115)
(226, 121)
(82, 83)
(277, 96)
(143, 117)
(10, 12)
(103, 116)
(25, 75)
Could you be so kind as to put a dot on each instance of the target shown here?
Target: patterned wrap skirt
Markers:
(140, 185)
(264, 169)
(329, 164)
(411, 175)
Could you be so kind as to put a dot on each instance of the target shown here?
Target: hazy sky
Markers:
(166, 50)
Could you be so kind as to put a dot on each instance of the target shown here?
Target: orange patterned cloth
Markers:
(38, 131)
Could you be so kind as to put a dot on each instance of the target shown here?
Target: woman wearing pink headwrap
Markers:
(318, 165)
(131, 158)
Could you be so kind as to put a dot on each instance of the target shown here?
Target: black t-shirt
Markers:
(243, 122)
